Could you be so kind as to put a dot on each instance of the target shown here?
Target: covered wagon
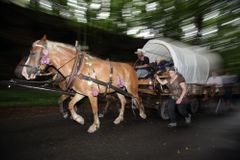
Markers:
(193, 62)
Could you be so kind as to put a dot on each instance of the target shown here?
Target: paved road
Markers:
(50, 137)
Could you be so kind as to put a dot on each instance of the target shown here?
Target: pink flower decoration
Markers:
(150, 87)
(120, 82)
(45, 60)
(95, 92)
(45, 52)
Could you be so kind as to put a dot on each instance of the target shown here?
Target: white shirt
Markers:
(215, 81)
(229, 79)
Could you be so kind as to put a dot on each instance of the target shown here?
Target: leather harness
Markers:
(75, 69)
(75, 73)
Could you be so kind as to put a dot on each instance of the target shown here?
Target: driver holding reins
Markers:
(142, 64)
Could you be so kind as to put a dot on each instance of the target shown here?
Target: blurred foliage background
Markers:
(26, 98)
(210, 23)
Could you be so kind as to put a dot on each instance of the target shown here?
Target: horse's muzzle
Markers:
(30, 72)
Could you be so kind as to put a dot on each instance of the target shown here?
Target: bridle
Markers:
(44, 54)
(37, 69)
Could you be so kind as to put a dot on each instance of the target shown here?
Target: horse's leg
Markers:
(138, 103)
(121, 113)
(109, 101)
(96, 122)
(71, 105)
(62, 108)
(136, 99)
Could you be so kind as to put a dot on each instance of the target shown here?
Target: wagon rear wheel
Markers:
(163, 111)
(194, 105)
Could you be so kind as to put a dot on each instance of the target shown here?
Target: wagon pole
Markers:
(44, 82)
(26, 84)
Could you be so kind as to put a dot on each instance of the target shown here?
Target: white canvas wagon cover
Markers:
(194, 63)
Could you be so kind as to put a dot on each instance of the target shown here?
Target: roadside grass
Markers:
(27, 98)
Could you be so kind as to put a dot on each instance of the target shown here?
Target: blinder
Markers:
(42, 60)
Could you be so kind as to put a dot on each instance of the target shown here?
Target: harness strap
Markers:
(75, 69)
(111, 73)
(119, 90)
(89, 58)
(110, 78)
(94, 73)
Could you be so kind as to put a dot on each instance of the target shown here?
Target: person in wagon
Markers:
(214, 82)
(159, 65)
(142, 64)
(178, 99)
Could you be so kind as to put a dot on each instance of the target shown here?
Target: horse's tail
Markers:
(132, 87)
(130, 79)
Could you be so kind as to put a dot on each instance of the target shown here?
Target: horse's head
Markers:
(37, 60)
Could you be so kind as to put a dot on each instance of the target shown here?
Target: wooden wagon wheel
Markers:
(163, 110)
(194, 105)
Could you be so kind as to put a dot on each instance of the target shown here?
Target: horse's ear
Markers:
(44, 38)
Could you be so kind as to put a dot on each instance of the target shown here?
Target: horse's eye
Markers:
(33, 53)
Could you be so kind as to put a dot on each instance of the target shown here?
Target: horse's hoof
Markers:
(65, 115)
(92, 128)
(118, 120)
(101, 115)
(80, 120)
(143, 115)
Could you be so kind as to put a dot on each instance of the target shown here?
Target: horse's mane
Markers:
(56, 45)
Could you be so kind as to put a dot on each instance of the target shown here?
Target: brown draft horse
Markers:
(62, 57)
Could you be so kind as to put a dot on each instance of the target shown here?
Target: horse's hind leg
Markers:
(121, 113)
(75, 116)
(137, 100)
(105, 109)
(96, 122)
(138, 103)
